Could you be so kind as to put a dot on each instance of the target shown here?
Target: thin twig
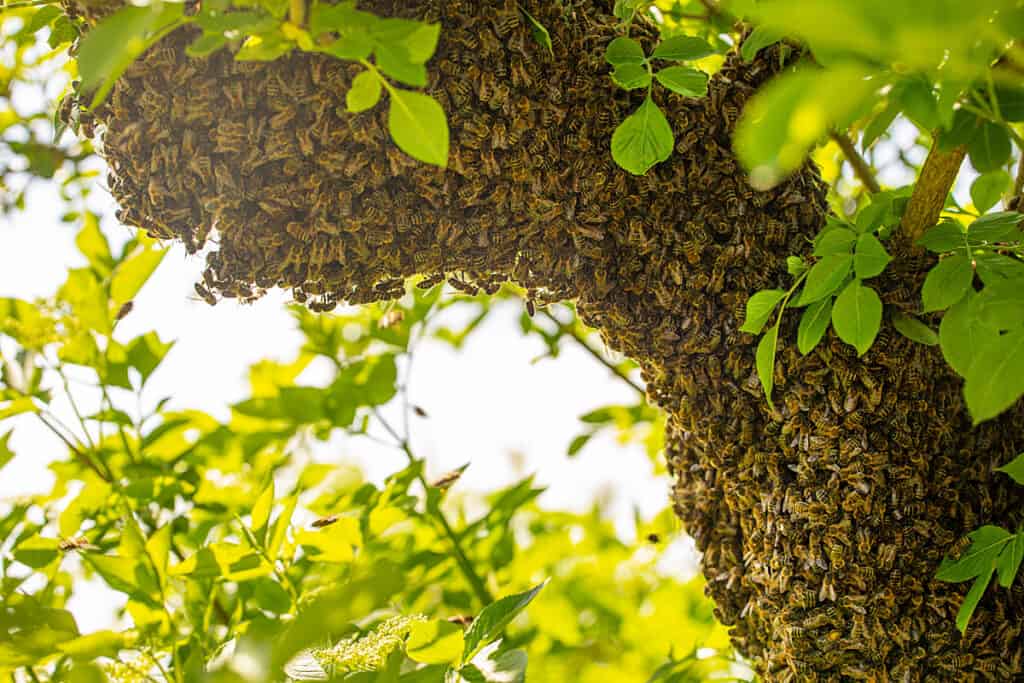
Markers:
(75, 450)
(461, 559)
(933, 185)
(861, 168)
(596, 353)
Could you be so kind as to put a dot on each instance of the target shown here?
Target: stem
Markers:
(75, 450)
(582, 341)
(461, 559)
(297, 12)
(933, 185)
(860, 167)
(221, 612)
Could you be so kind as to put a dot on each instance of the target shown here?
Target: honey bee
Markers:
(464, 620)
(80, 544)
(447, 480)
(322, 522)
(205, 294)
(124, 310)
(392, 318)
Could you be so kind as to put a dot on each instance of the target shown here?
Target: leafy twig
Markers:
(461, 559)
(860, 167)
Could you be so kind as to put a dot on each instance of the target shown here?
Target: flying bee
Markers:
(80, 544)
(392, 318)
(447, 480)
(463, 620)
(419, 411)
(325, 521)
(124, 310)
(653, 538)
(205, 294)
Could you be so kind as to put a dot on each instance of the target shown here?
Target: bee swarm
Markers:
(822, 520)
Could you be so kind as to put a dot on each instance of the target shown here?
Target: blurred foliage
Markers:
(34, 72)
(241, 554)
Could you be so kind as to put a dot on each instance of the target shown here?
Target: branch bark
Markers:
(861, 168)
(933, 186)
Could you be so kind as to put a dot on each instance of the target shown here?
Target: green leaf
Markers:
(1000, 305)
(971, 600)
(788, 116)
(813, 324)
(961, 335)
(1008, 562)
(682, 48)
(995, 380)
(825, 277)
(766, 360)
(644, 139)
(986, 544)
(493, 619)
(93, 645)
(879, 124)
(995, 227)
(990, 148)
(93, 245)
(624, 51)
(759, 309)
(1015, 469)
(946, 236)
(110, 47)
(37, 552)
(835, 241)
(1011, 102)
(760, 38)
(158, 547)
(261, 512)
(577, 444)
(683, 80)
(264, 48)
(419, 126)
(6, 454)
(857, 316)
(435, 642)
(914, 330)
(994, 268)
(987, 189)
(539, 32)
(631, 76)
(966, 127)
(394, 62)
(145, 354)
(364, 93)
(795, 266)
(947, 282)
(277, 538)
(870, 258)
(133, 272)
(206, 45)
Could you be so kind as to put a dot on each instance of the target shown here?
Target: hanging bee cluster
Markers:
(822, 519)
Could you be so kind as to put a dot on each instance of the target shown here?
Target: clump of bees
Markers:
(822, 518)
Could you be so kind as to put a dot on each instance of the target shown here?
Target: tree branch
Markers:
(933, 185)
(861, 168)
(1015, 202)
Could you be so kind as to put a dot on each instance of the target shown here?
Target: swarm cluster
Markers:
(822, 519)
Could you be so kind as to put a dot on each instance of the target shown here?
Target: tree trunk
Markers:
(822, 519)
